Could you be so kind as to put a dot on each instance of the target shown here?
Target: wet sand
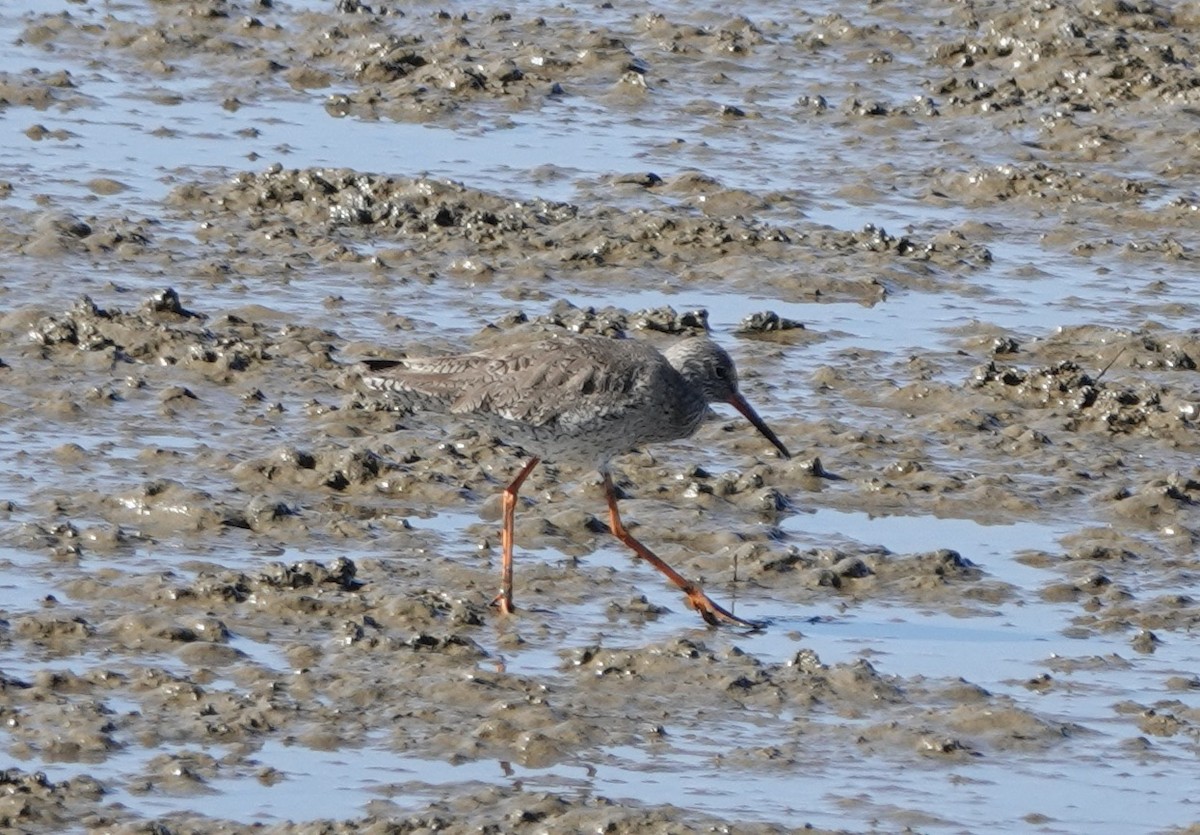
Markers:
(951, 248)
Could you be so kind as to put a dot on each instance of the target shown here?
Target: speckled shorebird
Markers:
(581, 399)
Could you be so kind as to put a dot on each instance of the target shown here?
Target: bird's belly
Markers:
(590, 444)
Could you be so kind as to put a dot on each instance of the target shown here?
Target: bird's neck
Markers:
(691, 371)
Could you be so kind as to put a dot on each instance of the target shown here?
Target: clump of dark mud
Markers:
(334, 214)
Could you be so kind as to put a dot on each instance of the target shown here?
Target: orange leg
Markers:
(710, 611)
(505, 598)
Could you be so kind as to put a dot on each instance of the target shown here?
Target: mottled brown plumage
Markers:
(582, 399)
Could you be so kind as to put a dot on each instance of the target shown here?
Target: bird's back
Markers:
(583, 398)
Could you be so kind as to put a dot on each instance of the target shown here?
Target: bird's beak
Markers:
(738, 402)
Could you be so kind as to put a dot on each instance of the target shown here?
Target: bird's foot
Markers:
(504, 603)
(715, 614)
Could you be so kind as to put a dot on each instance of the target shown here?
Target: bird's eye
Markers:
(722, 372)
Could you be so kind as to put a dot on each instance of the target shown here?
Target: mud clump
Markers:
(1068, 391)
(333, 214)
(157, 333)
(998, 67)
(33, 800)
(610, 321)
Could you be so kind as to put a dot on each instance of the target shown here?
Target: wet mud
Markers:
(228, 574)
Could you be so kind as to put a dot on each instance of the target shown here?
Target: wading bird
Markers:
(577, 399)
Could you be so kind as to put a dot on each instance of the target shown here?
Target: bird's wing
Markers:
(559, 382)
(426, 382)
(563, 382)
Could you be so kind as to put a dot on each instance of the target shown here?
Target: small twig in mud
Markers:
(1104, 370)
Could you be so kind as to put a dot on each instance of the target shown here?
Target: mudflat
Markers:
(951, 247)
